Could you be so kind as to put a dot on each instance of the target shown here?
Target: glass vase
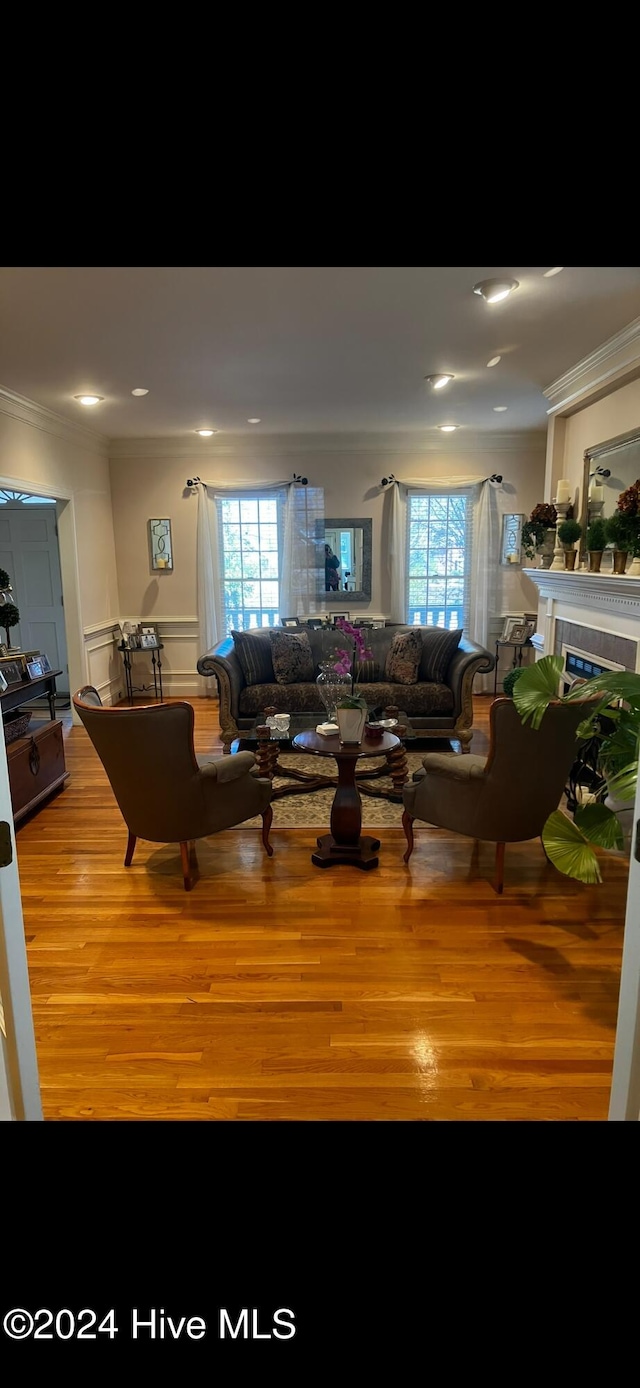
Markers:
(331, 687)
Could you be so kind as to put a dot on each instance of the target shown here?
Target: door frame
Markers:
(68, 546)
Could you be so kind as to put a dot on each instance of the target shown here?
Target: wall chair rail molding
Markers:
(39, 417)
(613, 363)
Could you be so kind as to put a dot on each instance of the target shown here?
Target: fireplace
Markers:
(583, 665)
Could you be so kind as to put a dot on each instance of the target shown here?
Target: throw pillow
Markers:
(369, 672)
(403, 659)
(254, 654)
(292, 657)
(438, 649)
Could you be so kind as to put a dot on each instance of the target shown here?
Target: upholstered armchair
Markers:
(505, 797)
(166, 793)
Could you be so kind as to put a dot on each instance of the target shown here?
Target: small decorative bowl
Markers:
(373, 731)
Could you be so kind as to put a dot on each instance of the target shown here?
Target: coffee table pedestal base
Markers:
(363, 854)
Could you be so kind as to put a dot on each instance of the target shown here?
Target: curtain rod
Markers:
(194, 481)
(386, 481)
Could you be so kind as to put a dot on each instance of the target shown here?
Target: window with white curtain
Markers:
(438, 558)
(250, 536)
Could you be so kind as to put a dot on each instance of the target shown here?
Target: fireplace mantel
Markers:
(604, 592)
(589, 605)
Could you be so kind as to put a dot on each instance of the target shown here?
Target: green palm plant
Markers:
(570, 843)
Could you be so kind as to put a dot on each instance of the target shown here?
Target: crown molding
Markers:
(246, 446)
(609, 359)
(39, 417)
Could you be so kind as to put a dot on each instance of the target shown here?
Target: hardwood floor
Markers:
(276, 991)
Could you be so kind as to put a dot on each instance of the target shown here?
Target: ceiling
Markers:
(307, 349)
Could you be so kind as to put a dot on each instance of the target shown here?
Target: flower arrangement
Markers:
(542, 519)
(629, 501)
(350, 662)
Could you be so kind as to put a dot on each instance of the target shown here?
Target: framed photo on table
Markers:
(12, 670)
(35, 669)
(511, 624)
(149, 641)
(289, 621)
(345, 615)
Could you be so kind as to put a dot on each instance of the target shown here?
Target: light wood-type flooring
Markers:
(277, 991)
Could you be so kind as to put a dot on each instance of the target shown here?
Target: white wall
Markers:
(148, 479)
(39, 452)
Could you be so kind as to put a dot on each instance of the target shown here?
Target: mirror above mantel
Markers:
(346, 569)
(609, 468)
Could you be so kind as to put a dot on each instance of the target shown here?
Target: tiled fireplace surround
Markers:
(595, 613)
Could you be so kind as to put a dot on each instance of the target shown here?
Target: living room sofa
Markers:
(442, 709)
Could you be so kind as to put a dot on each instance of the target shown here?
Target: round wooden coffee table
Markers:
(344, 844)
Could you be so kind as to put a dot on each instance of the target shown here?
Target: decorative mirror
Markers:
(346, 545)
(160, 545)
(609, 468)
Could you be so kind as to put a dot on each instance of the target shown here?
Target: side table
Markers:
(345, 844)
(156, 665)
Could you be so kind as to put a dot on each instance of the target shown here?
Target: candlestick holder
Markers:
(558, 553)
(595, 508)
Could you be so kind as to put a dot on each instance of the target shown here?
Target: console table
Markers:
(36, 761)
(17, 694)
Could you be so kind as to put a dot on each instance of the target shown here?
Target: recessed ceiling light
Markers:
(206, 433)
(494, 361)
(447, 428)
(492, 291)
(89, 399)
(440, 380)
(139, 390)
(555, 271)
(500, 409)
(253, 421)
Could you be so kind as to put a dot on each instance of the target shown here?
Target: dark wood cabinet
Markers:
(36, 767)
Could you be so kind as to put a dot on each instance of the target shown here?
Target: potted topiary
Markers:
(596, 541)
(622, 532)
(510, 679)
(568, 532)
(538, 533)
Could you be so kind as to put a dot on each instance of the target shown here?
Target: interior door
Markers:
(30, 554)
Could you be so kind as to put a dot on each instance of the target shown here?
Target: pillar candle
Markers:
(563, 490)
(596, 492)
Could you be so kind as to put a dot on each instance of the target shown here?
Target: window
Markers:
(439, 548)
(250, 530)
(6, 496)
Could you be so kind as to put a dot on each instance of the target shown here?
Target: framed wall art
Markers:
(160, 546)
(512, 538)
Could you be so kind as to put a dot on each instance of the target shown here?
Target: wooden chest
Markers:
(36, 767)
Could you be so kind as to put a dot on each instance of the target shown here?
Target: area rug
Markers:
(312, 811)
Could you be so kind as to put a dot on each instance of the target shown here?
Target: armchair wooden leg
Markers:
(498, 880)
(186, 866)
(193, 857)
(131, 845)
(407, 824)
(267, 820)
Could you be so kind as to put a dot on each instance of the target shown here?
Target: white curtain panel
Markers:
(484, 552)
(302, 577)
(207, 570)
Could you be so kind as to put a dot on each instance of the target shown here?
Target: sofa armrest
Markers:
(469, 660)
(223, 662)
(225, 769)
